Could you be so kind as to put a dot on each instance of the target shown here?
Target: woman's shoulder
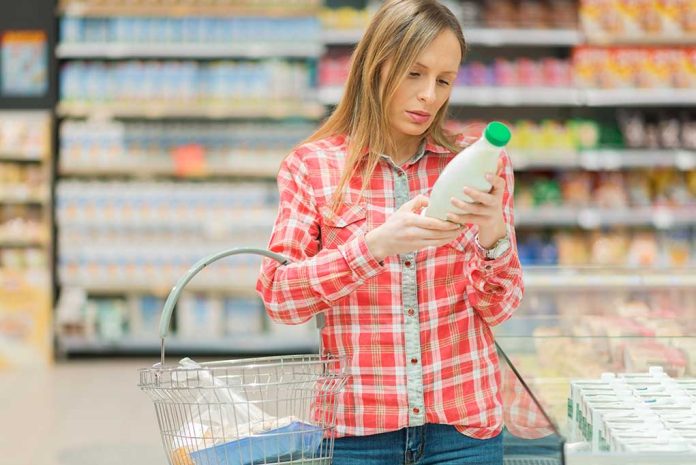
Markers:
(327, 147)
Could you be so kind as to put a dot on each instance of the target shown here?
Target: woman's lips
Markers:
(418, 117)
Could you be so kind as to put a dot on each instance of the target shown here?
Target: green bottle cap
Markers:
(497, 134)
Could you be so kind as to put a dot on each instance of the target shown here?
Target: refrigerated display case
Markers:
(584, 324)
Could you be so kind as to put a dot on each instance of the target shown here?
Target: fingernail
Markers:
(489, 177)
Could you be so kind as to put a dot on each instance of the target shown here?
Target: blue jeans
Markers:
(429, 444)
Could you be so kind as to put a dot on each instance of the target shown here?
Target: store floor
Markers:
(78, 413)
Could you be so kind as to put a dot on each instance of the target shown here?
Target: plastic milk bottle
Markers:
(468, 168)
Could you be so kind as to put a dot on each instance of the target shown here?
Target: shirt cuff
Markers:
(491, 267)
(363, 264)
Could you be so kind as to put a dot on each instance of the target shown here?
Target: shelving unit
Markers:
(209, 158)
(194, 51)
(26, 245)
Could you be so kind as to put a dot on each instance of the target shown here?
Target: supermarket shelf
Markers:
(23, 199)
(481, 36)
(605, 159)
(186, 50)
(160, 110)
(550, 96)
(242, 343)
(260, 171)
(24, 279)
(591, 218)
(19, 242)
(167, 9)
(341, 36)
(497, 37)
(482, 96)
(639, 97)
(562, 278)
(23, 158)
(644, 39)
(162, 286)
(511, 96)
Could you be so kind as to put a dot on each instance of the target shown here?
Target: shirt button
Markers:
(400, 174)
(411, 312)
(407, 263)
(416, 410)
(414, 360)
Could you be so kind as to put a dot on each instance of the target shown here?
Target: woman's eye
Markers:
(444, 83)
(414, 74)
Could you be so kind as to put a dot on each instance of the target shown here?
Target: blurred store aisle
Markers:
(78, 413)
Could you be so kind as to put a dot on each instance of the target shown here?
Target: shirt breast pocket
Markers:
(343, 225)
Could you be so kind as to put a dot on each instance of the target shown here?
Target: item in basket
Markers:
(297, 441)
(643, 251)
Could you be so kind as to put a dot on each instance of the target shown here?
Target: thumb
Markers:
(416, 204)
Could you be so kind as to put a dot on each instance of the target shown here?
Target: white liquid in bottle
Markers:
(468, 168)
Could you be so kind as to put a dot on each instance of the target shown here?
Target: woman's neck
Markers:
(405, 149)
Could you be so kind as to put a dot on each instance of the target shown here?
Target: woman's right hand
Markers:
(407, 231)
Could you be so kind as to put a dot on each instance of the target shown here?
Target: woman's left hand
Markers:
(486, 212)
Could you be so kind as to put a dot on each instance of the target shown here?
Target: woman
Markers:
(409, 300)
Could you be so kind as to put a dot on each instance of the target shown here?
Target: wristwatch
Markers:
(496, 250)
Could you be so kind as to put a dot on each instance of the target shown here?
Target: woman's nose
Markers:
(427, 92)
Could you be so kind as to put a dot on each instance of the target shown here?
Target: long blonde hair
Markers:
(398, 33)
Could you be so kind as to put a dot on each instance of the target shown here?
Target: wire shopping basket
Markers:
(270, 410)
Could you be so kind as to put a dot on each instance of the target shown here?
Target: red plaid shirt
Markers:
(453, 377)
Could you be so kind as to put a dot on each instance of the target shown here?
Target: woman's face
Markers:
(425, 88)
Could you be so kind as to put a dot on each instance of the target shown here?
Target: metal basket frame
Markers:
(267, 410)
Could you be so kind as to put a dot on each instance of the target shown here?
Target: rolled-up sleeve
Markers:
(496, 287)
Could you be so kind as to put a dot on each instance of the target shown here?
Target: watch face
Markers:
(500, 248)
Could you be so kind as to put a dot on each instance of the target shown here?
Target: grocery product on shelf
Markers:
(25, 239)
(644, 410)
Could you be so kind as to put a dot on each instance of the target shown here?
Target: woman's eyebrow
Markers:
(425, 67)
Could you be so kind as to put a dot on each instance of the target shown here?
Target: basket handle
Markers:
(174, 294)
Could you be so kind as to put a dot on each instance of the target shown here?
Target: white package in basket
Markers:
(224, 414)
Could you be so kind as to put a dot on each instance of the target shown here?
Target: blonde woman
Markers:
(409, 300)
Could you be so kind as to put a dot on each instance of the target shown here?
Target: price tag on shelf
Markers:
(189, 160)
